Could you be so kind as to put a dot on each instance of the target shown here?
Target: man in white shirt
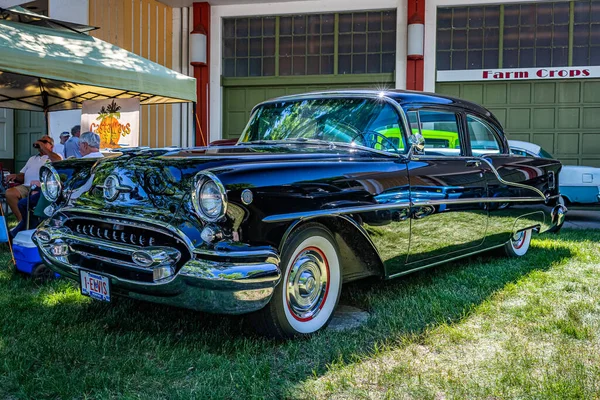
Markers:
(30, 174)
(89, 145)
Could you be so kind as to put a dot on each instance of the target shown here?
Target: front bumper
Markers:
(224, 282)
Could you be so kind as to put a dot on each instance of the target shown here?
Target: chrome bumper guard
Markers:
(227, 282)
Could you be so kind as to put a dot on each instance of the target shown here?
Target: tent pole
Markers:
(194, 132)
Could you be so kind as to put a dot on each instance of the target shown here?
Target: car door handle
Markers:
(473, 163)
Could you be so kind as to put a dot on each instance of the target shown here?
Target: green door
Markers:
(29, 127)
(6, 134)
(562, 116)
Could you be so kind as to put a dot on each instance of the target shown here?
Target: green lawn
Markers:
(484, 327)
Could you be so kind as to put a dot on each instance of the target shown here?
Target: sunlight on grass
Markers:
(72, 296)
(482, 327)
(536, 336)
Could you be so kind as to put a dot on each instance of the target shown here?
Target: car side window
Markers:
(519, 152)
(439, 130)
(482, 137)
(385, 130)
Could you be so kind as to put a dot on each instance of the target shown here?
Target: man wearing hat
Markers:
(59, 148)
(30, 174)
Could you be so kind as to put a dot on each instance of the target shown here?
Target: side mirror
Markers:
(417, 144)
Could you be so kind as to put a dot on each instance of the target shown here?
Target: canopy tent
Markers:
(49, 69)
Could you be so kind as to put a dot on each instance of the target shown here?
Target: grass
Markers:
(484, 327)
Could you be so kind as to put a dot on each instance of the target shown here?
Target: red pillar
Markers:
(414, 65)
(201, 73)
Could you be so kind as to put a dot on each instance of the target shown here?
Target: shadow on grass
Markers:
(173, 352)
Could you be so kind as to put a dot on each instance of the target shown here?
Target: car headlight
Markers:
(209, 197)
(51, 186)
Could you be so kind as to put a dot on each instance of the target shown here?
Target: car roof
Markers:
(530, 147)
(403, 97)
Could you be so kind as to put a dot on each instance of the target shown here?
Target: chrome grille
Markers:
(141, 238)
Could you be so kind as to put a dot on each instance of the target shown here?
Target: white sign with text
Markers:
(518, 74)
(116, 121)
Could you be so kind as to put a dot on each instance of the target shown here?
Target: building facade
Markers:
(534, 64)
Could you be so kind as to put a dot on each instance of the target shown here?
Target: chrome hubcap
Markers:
(307, 284)
(518, 239)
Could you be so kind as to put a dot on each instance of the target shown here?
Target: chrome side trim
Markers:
(333, 212)
(131, 221)
(514, 184)
(377, 207)
(418, 202)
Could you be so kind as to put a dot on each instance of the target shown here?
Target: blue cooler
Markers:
(26, 253)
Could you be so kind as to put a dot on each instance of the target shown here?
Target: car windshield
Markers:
(367, 122)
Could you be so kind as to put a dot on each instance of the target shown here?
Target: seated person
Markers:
(89, 145)
(30, 175)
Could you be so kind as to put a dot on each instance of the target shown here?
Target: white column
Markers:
(72, 11)
(401, 43)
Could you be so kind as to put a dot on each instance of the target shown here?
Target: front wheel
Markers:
(518, 245)
(305, 299)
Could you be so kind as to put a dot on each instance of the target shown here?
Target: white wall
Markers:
(72, 11)
(431, 7)
(292, 7)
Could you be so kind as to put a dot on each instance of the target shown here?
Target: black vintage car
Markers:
(320, 190)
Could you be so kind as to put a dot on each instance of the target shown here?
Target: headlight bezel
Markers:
(49, 171)
(200, 180)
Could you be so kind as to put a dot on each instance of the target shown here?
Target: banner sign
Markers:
(116, 121)
(518, 74)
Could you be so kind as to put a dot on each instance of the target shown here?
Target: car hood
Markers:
(162, 180)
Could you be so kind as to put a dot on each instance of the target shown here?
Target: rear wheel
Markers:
(305, 299)
(518, 245)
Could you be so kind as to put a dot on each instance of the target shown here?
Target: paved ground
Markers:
(583, 219)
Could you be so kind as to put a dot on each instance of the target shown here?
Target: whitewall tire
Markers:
(518, 245)
(311, 281)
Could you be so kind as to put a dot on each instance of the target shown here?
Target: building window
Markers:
(536, 35)
(367, 42)
(364, 43)
(532, 35)
(468, 37)
(306, 44)
(249, 47)
(586, 33)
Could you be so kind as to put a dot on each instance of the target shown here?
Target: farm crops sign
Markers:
(518, 74)
(116, 121)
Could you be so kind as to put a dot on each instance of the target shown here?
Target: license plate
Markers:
(95, 286)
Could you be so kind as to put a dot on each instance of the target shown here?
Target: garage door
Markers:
(561, 116)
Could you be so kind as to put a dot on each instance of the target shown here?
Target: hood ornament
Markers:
(112, 188)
